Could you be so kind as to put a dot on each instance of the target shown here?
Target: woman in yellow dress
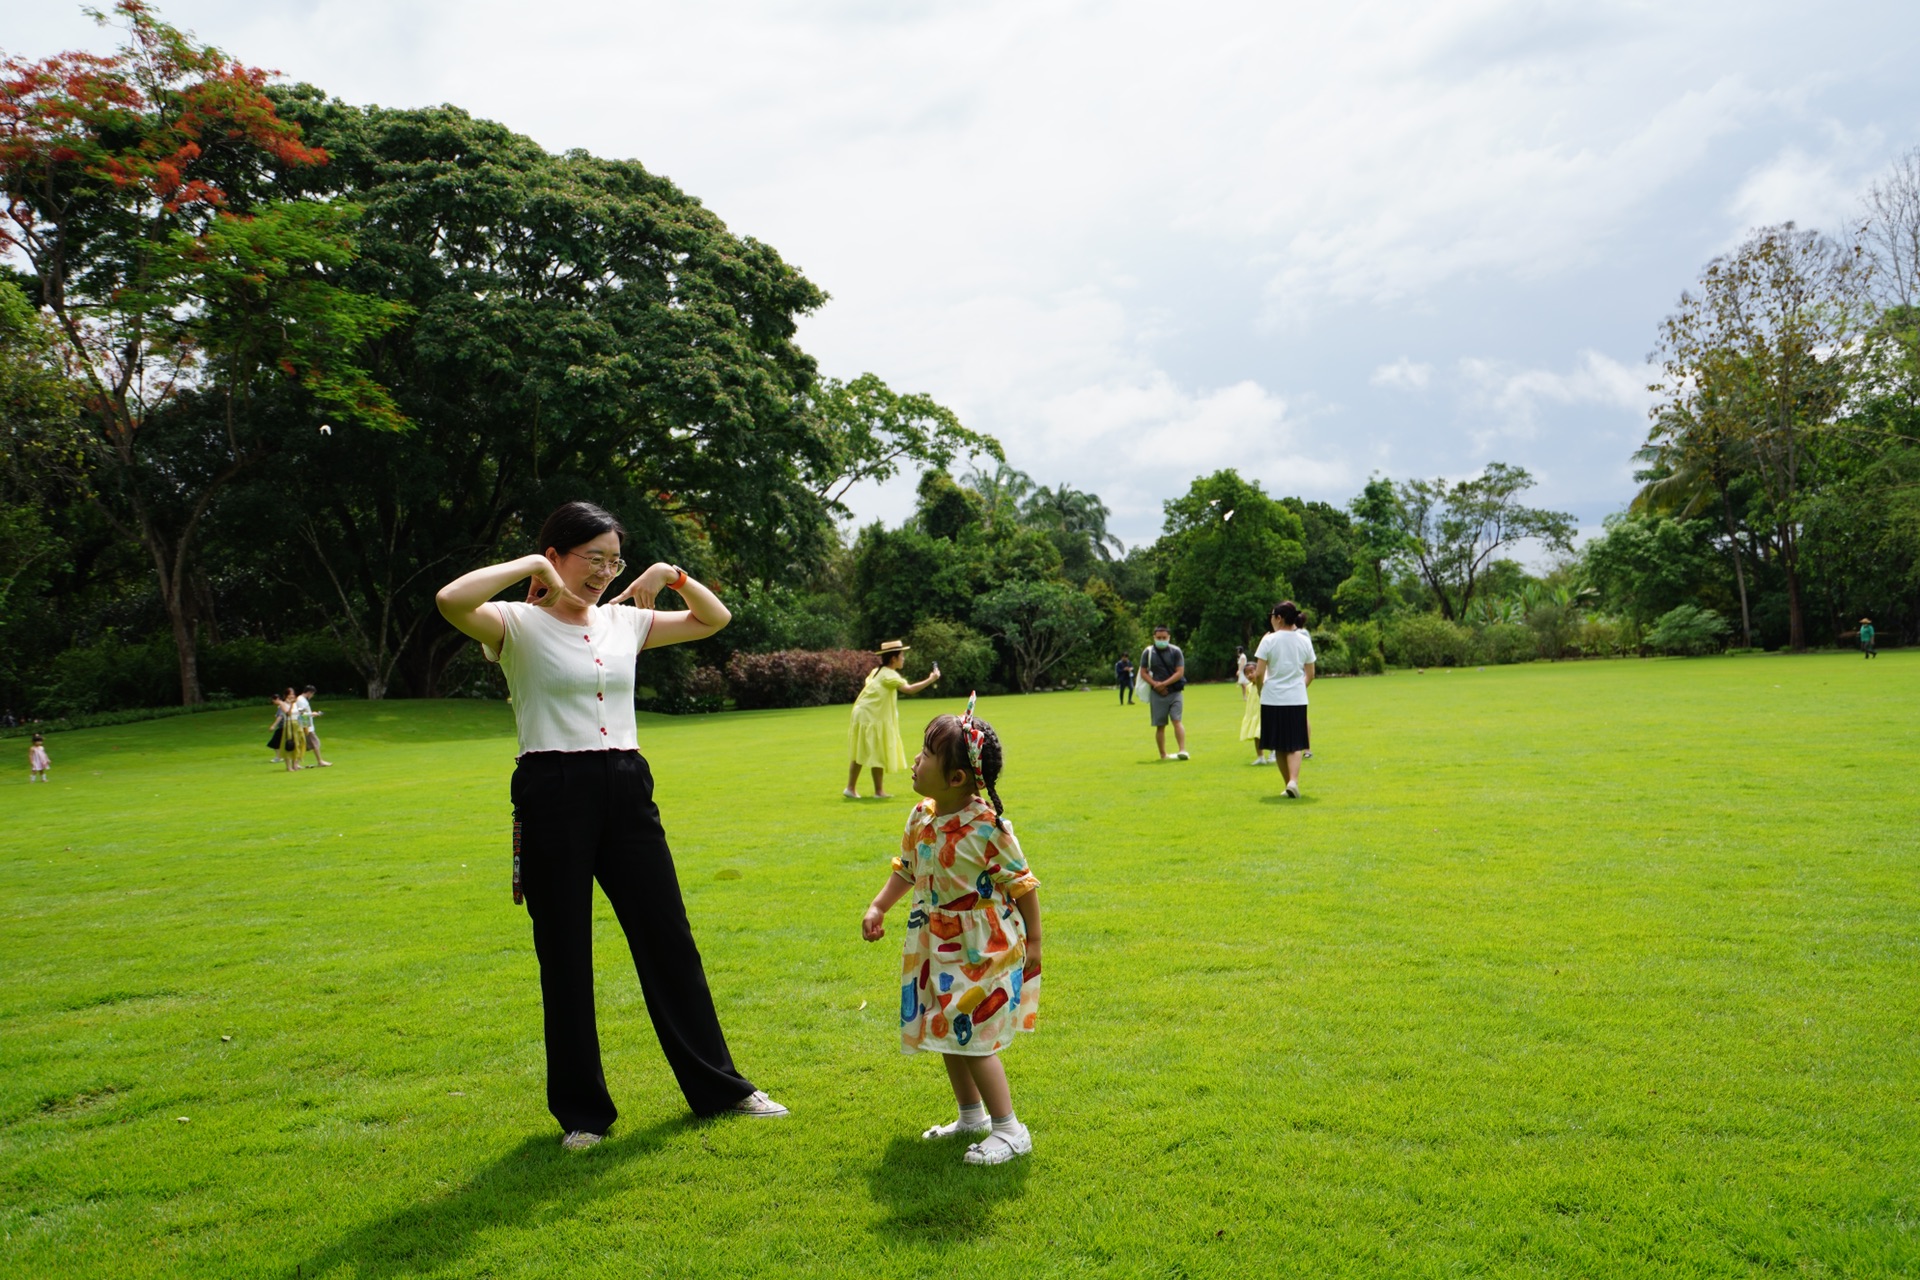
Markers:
(874, 737)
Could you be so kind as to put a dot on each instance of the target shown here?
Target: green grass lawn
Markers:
(1592, 969)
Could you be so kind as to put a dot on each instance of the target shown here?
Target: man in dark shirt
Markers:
(1123, 675)
(1166, 670)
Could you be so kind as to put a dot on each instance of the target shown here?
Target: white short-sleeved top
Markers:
(1286, 654)
(572, 686)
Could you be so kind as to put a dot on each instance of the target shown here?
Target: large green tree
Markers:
(1229, 552)
(140, 190)
(579, 327)
(1452, 529)
(1761, 357)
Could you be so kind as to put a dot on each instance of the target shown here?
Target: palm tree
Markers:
(1003, 490)
(1075, 514)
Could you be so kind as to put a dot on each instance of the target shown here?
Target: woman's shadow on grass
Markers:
(928, 1190)
(534, 1182)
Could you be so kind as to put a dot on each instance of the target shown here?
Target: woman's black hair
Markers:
(949, 746)
(574, 523)
(1288, 612)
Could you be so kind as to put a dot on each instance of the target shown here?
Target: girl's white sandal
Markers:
(955, 1127)
(998, 1148)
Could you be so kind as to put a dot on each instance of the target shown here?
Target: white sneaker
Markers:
(580, 1140)
(955, 1127)
(851, 794)
(1293, 789)
(1257, 761)
(758, 1104)
(1181, 755)
(998, 1148)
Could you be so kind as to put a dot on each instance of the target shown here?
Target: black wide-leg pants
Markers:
(586, 816)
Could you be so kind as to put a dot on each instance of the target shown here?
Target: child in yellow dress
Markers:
(1250, 708)
(873, 737)
(970, 975)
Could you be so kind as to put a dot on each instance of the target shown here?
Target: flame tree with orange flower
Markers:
(197, 314)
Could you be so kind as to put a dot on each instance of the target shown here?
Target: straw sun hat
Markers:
(892, 646)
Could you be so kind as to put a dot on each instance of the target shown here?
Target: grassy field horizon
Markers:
(1558, 969)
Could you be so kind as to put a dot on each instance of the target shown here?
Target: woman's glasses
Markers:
(601, 564)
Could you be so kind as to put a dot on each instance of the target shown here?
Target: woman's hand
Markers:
(648, 584)
(545, 586)
(873, 925)
(934, 675)
(1031, 969)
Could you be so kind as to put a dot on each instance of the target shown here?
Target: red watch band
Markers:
(678, 582)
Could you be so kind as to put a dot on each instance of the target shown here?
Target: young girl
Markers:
(37, 762)
(873, 738)
(1250, 708)
(971, 972)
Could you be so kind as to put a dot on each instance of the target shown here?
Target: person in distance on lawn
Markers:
(1165, 668)
(583, 807)
(1123, 676)
(1866, 638)
(1250, 706)
(970, 973)
(873, 737)
(37, 762)
(303, 714)
(1284, 665)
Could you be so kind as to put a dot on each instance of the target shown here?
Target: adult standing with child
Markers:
(583, 806)
(1283, 667)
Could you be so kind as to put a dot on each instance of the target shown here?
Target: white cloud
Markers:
(1813, 188)
(1403, 375)
(1509, 401)
(1084, 226)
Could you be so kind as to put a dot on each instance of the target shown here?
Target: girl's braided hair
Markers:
(947, 740)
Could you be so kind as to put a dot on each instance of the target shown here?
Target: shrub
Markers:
(1331, 656)
(1504, 642)
(131, 716)
(1348, 649)
(1428, 640)
(965, 656)
(1688, 629)
(112, 674)
(1600, 638)
(797, 677)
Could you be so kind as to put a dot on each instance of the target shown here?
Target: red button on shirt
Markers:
(603, 729)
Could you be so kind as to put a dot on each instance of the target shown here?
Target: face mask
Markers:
(1161, 644)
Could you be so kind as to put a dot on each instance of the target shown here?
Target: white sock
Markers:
(1008, 1124)
(973, 1113)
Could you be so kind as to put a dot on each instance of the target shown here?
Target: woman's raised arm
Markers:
(467, 601)
(703, 616)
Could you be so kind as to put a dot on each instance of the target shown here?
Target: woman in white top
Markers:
(583, 806)
(1284, 661)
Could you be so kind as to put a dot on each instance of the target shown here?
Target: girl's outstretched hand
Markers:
(873, 925)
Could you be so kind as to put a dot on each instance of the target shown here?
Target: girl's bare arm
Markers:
(873, 924)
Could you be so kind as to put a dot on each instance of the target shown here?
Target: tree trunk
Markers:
(1796, 607)
(1739, 573)
(186, 642)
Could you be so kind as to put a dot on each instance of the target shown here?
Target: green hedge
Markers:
(101, 719)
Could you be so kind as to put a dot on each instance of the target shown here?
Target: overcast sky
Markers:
(1141, 242)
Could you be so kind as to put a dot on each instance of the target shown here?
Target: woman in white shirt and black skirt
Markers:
(1285, 661)
(583, 806)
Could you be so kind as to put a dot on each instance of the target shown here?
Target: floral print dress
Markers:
(964, 985)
